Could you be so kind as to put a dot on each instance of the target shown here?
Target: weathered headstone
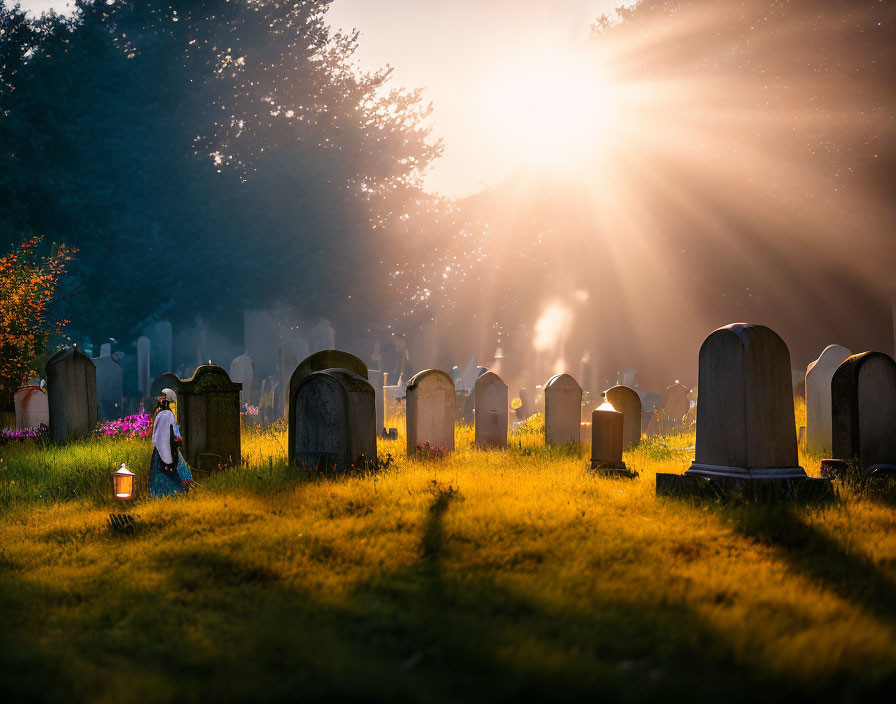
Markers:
(630, 379)
(430, 411)
(291, 353)
(526, 405)
(562, 410)
(208, 413)
(323, 336)
(143, 357)
(470, 374)
(32, 406)
(626, 401)
(242, 371)
(651, 402)
(745, 420)
(818, 397)
(378, 381)
(675, 402)
(863, 399)
(109, 394)
(161, 342)
(490, 394)
(71, 391)
(332, 420)
(327, 359)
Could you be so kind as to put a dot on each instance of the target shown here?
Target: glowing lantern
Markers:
(123, 483)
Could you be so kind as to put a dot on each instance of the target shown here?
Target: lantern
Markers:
(123, 483)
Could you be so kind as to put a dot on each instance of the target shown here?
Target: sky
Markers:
(461, 52)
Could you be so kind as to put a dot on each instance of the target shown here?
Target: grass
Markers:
(480, 576)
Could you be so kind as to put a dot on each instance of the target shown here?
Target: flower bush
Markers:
(10, 434)
(135, 426)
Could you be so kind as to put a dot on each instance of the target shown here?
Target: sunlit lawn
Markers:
(481, 576)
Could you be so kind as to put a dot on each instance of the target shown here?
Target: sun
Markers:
(549, 110)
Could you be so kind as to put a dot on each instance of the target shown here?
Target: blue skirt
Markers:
(162, 483)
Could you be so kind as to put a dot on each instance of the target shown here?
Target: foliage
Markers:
(160, 137)
(28, 284)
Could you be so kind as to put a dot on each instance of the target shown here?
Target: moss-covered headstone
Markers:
(71, 392)
(208, 413)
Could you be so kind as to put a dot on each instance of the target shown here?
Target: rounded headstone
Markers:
(818, 397)
(490, 415)
(430, 411)
(562, 410)
(628, 403)
(745, 419)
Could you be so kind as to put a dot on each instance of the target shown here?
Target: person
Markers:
(168, 473)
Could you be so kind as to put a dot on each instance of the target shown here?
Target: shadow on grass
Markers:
(814, 553)
(228, 627)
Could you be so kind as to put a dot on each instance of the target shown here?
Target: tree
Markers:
(28, 284)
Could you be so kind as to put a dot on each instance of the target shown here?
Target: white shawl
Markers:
(161, 434)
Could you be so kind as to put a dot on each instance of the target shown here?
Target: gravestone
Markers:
(378, 382)
(651, 402)
(745, 420)
(562, 410)
(490, 394)
(430, 411)
(676, 403)
(630, 379)
(332, 420)
(168, 380)
(863, 400)
(109, 394)
(266, 401)
(818, 397)
(71, 392)
(242, 371)
(470, 374)
(32, 406)
(327, 359)
(261, 335)
(607, 437)
(626, 401)
(292, 353)
(161, 342)
(208, 413)
(143, 358)
(323, 336)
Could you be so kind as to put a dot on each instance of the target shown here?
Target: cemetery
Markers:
(575, 384)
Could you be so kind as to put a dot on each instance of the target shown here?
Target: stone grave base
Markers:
(716, 488)
(841, 469)
(612, 469)
(713, 470)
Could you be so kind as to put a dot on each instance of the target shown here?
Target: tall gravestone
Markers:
(430, 411)
(818, 397)
(266, 401)
(71, 392)
(626, 401)
(745, 420)
(676, 403)
(242, 371)
(630, 379)
(109, 391)
(562, 410)
(526, 405)
(863, 397)
(262, 341)
(161, 343)
(323, 336)
(292, 352)
(208, 413)
(32, 406)
(490, 416)
(332, 419)
(378, 382)
(143, 357)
